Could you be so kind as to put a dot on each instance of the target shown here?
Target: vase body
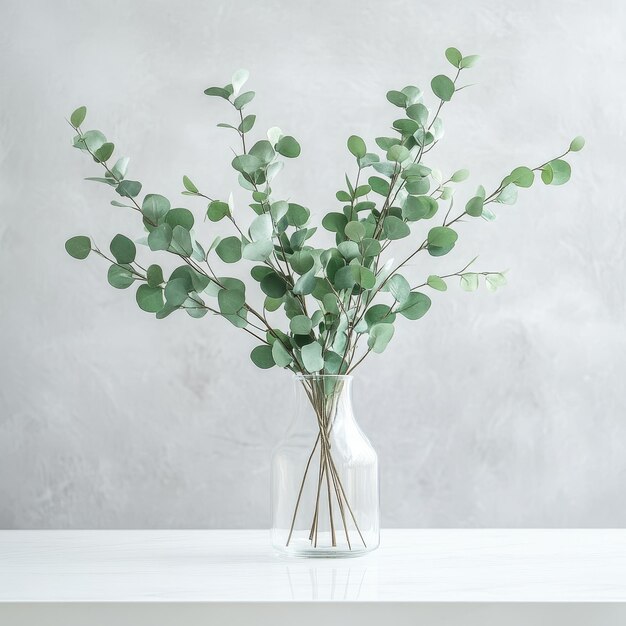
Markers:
(324, 476)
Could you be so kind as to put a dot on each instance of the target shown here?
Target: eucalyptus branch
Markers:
(342, 280)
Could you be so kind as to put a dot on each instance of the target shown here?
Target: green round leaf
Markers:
(577, 144)
(379, 337)
(278, 210)
(415, 306)
(273, 285)
(344, 278)
(395, 228)
(474, 206)
(297, 239)
(398, 98)
(261, 228)
(442, 87)
(263, 151)
(419, 207)
(332, 265)
(78, 116)
(129, 188)
(441, 240)
(180, 217)
(398, 154)
(154, 275)
(194, 307)
(379, 185)
(92, 140)
(181, 241)
(436, 282)
(189, 186)
(272, 304)
(469, 281)
(218, 91)
(262, 357)
(239, 79)
(446, 193)
(508, 195)
(120, 167)
(297, 215)
(384, 143)
(419, 113)
(305, 284)
(364, 277)
(369, 247)
(522, 176)
(547, 174)
(257, 250)
(104, 152)
(258, 272)
(398, 286)
(247, 163)
(160, 238)
(288, 147)
(556, 172)
(413, 94)
(301, 261)
(335, 222)
(495, 280)
(300, 325)
(78, 247)
(355, 231)
(217, 210)
(165, 311)
(123, 249)
(281, 356)
(349, 250)
(195, 281)
(230, 300)
(469, 61)
(379, 314)
(149, 299)
(243, 99)
(459, 176)
(154, 207)
(312, 357)
(406, 127)
(229, 249)
(247, 123)
(454, 56)
(120, 277)
(357, 146)
(176, 291)
(417, 186)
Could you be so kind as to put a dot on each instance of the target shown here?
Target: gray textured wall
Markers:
(494, 410)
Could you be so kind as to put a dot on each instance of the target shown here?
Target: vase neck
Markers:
(324, 400)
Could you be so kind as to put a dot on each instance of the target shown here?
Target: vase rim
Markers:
(300, 376)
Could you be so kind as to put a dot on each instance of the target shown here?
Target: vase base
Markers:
(302, 547)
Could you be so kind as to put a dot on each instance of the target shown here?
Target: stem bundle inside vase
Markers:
(324, 394)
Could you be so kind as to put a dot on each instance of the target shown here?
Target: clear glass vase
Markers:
(324, 476)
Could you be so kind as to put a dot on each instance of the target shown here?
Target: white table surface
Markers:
(224, 568)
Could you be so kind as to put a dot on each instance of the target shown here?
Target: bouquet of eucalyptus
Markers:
(323, 308)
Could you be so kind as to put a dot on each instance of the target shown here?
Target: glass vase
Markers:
(324, 477)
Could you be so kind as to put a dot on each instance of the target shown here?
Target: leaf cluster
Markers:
(340, 302)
